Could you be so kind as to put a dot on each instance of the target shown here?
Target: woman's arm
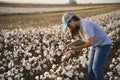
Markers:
(87, 43)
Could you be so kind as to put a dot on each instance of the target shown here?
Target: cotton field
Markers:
(35, 53)
(18, 10)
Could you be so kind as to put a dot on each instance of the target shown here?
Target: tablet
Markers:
(76, 43)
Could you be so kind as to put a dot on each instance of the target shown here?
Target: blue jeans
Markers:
(97, 57)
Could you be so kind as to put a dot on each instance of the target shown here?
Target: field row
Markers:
(17, 10)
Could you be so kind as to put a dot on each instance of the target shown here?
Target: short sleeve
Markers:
(89, 32)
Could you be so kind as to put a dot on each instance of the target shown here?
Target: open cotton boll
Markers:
(27, 54)
(45, 52)
(59, 78)
(46, 74)
(67, 78)
(69, 67)
(69, 74)
(58, 53)
(110, 74)
(58, 70)
(81, 75)
(53, 66)
(10, 78)
(116, 78)
(110, 78)
(51, 40)
(118, 68)
(42, 77)
(113, 60)
(45, 66)
(22, 79)
(1, 63)
(10, 64)
(38, 68)
(111, 66)
(28, 67)
(63, 71)
(52, 76)
(37, 78)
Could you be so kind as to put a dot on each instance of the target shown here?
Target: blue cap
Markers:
(65, 19)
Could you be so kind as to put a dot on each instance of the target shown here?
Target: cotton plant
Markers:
(115, 68)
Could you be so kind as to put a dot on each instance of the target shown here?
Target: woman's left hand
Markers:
(72, 48)
(67, 55)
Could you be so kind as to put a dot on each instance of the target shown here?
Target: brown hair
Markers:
(75, 32)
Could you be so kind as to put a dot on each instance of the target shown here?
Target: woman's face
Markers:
(73, 24)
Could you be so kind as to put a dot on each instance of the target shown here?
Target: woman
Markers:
(94, 36)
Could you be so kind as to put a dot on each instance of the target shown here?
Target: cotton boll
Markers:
(59, 78)
(9, 73)
(115, 63)
(69, 74)
(2, 77)
(118, 68)
(17, 77)
(36, 41)
(45, 52)
(24, 62)
(69, 67)
(1, 63)
(84, 65)
(61, 47)
(36, 77)
(113, 60)
(28, 40)
(118, 58)
(110, 74)
(45, 66)
(0, 52)
(67, 78)
(28, 54)
(39, 56)
(110, 78)
(57, 71)
(51, 71)
(81, 75)
(53, 66)
(111, 66)
(116, 78)
(52, 76)
(42, 77)
(20, 74)
(58, 53)
(118, 50)
(37, 51)
(28, 67)
(83, 61)
(10, 64)
(10, 78)
(22, 79)
(76, 73)
(76, 78)
(46, 74)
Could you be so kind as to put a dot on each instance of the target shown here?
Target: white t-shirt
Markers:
(90, 29)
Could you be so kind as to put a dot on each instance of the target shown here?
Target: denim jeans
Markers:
(97, 57)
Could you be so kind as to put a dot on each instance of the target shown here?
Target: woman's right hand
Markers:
(67, 54)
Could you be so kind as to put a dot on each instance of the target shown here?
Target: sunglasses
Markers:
(69, 23)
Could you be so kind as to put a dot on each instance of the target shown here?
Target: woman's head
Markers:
(73, 22)
(70, 20)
